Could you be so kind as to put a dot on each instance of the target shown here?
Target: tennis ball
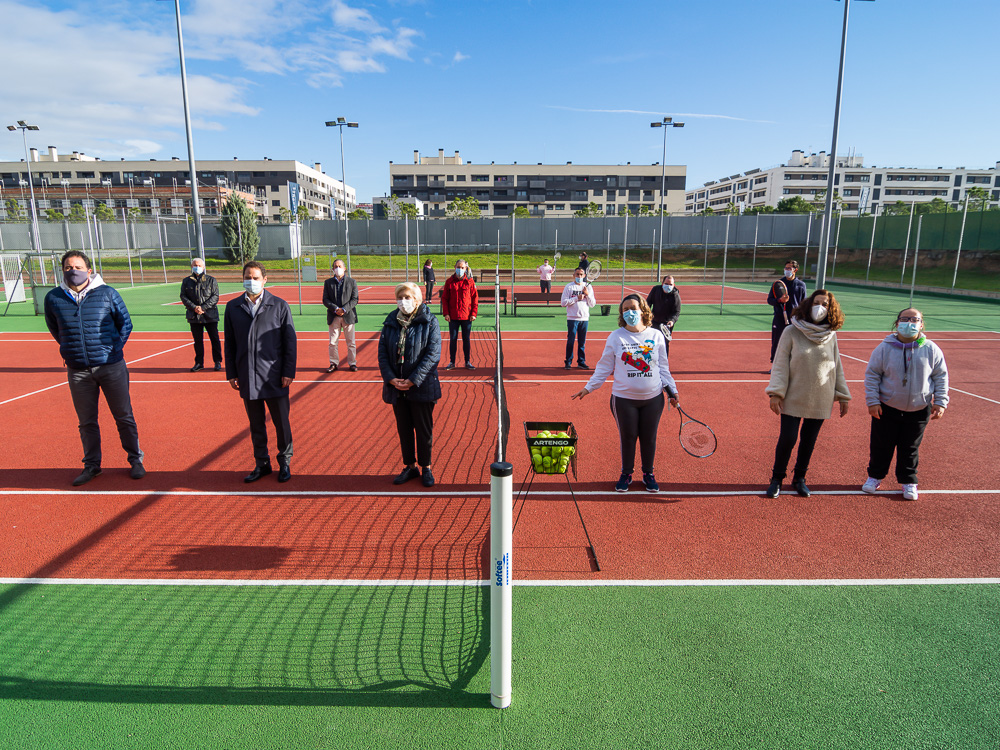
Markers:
(562, 435)
(546, 451)
(570, 450)
(546, 462)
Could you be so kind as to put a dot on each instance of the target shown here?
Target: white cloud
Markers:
(459, 57)
(655, 114)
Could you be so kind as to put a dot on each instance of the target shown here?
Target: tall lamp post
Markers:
(341, 123)
(666, 124)
(23, 127)
(199, 238)
(824, 245)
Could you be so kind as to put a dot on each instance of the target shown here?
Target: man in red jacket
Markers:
(460, 305)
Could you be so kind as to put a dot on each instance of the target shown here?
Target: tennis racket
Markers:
(696, 437)
(556, 257)
(593, 272)
(779, 290)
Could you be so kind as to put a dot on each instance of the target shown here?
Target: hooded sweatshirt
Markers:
(807, 372)
(908, 377)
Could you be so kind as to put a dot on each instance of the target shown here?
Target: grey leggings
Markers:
(637, 420)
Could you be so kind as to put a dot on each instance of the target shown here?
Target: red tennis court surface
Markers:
(607, 293)
(340, 516)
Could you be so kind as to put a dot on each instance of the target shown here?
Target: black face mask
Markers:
(75, 277)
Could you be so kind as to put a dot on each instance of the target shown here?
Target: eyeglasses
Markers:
(912, 319)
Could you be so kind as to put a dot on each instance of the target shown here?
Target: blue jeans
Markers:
(576, 329)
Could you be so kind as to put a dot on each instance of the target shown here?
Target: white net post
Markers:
(501, 541)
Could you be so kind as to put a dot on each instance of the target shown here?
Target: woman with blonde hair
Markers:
(636, 354)
(409, 349)
(807, 377)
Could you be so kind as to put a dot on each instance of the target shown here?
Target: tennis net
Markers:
(503, 415)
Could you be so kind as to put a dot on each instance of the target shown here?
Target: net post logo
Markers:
(501, 571)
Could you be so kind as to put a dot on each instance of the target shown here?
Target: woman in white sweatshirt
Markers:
(637, 355)
(906, 386)
(806, 379)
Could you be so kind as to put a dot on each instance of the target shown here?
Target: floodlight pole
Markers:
(24, 127)
(340, 123)
(667, 122)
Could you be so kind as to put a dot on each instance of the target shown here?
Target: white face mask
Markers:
(338, 272)
(254, 286)
(819, 313)
(579, 280)
(197, 270)
(407, 305)
(789, 272)
(668, 288)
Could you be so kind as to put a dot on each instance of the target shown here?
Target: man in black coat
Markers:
(665, 301)
(200, 295)
(260, 364)
(340, 296)
(784, 306)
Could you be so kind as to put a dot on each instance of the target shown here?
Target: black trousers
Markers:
(778, 326)
(546, 286)
(429, 287)
(279, 408)
(786, 441)
(453, 328)
(85, 386)
(199, 341)
(637, 420)
(898, 432)
(415, 422)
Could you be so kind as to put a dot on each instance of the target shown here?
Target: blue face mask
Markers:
(254, 286)
(632, 317)
(459, 273)
(908, 330)
(197, 270)
(668, 288)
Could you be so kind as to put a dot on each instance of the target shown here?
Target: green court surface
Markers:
(866, 309)
(699, 667)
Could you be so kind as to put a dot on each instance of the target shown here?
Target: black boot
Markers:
(774, 488)
(799, 485)
(284, 471)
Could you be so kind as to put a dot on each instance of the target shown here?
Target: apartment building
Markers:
(554, 190)
(869, 189)
(163, 186)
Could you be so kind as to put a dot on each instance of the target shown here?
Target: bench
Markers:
(536, 298)
(488, 295)
(491, 274)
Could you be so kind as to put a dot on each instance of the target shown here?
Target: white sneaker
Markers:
(910, 492)
(871, 485)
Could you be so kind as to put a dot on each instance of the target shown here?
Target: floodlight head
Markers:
(656, 124)
(22, 122)
(667, 120)
(352, 124)
(341, 119)
(330, 123)
(11, 127)
(32, 127)
(678, 124)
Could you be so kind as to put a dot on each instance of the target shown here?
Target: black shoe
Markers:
(569, 365)
(469, 366)
(331, 368)
(353, 368)
(196, 368)
(87, 474)
(138, 471)
(426, 477)
(410, 472)
(773, 489)
(451, 366)
(284, 472)
(583, 365)
(799, 485)
(218, 367)
(257, 473)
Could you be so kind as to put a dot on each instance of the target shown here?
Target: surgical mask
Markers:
(407, 305)
(908, 330)
(632, 317)
(338, 272)
(819, 313)
(789, 273)
(254, 286)
(75, 277)
(578, 280)
(197, 270)
(668, 288)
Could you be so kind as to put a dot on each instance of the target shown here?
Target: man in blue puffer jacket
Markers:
(89, 321)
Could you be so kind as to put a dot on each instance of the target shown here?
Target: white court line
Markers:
(461, 493)
(49, 388)
(950, 388)
(630, 582)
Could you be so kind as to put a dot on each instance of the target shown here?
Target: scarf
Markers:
(404, 325)
(818, 334)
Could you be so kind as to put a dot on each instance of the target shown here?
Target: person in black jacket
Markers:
(784, 307)
(409, 349)
(340, 296)
(260, 364)
(89, 321)
(665, 302)
(200, 295)
(429, 279)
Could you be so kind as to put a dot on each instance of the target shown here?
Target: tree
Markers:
(977, 197)
(522, 212)
(409, 210)
(645, 210)
(753, 210)
(819, 200)
(706, 211)
(464, 208)
(937, 206)
(285, 215)
(303, 212)
(14, 210)
(732, 209)
(794, 205)
(239, 230)
(52, 214)
(897, 209)
(134, 214)
(103, 212)
(624, 211)
(358, 213)
(592, 209)
(77, 213)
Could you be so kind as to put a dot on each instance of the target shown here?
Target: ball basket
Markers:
(551, 447)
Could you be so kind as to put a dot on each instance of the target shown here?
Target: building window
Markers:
(460, 178)
(579, 194)
(598, 192)
(480, 178)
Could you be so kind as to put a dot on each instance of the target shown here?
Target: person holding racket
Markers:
(577, 298)
(785, 295)
(806, 379)
(906, 386)
(665, 302)
(636, 353)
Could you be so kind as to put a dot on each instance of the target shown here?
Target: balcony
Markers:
(435, 183)
(539, 198)
(536, 184)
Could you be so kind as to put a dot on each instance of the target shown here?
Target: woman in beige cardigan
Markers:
(806, 379)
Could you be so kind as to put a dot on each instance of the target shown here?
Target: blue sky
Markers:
(544, 81)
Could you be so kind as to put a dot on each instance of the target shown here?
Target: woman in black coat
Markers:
(429, 279)
(409, 349)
